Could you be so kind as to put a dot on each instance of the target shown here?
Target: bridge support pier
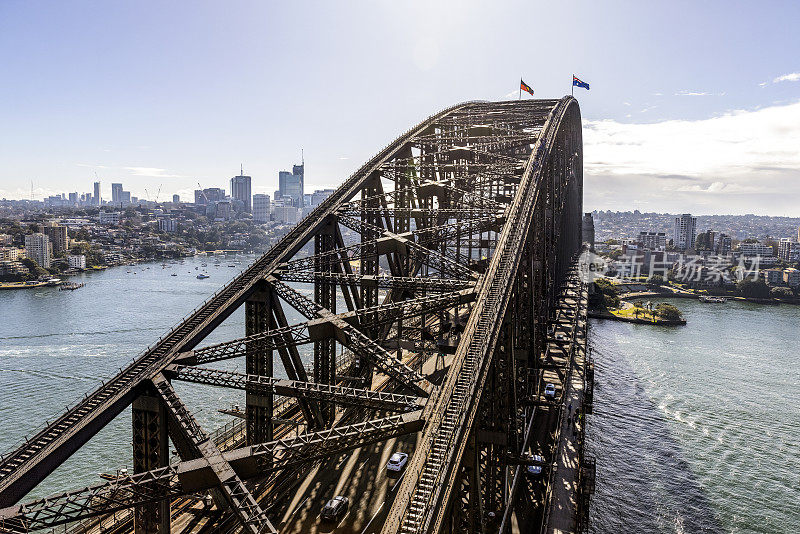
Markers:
(259, 403)
(150, 451)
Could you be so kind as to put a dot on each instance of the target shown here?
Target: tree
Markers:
(753, 289)
(781, 293)
(656, 280)
(668, 312)
(33, 267)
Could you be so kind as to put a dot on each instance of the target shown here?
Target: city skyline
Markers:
(144, 99)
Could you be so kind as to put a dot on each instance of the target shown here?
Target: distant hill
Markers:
(621, 224)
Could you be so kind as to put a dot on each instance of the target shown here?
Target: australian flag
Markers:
(577, 82)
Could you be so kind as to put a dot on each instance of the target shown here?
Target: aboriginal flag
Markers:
(525, 87)
(576, 82)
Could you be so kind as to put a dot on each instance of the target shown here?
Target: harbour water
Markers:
(696, 428)
(57, 345)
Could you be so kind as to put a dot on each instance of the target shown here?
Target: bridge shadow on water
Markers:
(644, 482)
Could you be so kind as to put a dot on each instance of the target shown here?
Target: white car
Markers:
(550, 391)
(397, 462)
(534, 470)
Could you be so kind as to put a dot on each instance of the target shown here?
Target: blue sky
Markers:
(687, 112)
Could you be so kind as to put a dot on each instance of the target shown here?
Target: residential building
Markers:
(773, 277)
(12, 267)
(168, 225)
(96, 198)
(77, 261)
(755, 249)
(9, 254)
(653, 240)
(791, 277)
(241, 190)
(723, 244)
(261, 208)
(6, 239)
(57, 235)
(685, 230)
(587, 230)
(176, 199)
(38, 248)
(109, 217)
(789, 250)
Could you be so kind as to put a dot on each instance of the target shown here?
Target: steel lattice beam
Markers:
(199, 475)
(294, 388)
(350, 336)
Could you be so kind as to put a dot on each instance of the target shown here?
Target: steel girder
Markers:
(200, 475)
(454, 174)
(332, 326)
(29, 463)
(382, 281)
(378, 400)
(431, 477)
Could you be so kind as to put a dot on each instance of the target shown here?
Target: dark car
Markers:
(336, 509)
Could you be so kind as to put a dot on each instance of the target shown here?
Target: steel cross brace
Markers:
(295, 388)
(326, 325)
(198, 475)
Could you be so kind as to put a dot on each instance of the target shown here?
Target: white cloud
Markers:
(791, 77)
(152, 172)
(734, 156)
(692, 93)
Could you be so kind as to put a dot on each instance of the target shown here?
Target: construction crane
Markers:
(202, 192)
(159, 191)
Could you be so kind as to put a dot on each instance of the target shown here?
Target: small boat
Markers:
(712, 299)
(174, 274)
(202, 276)
(231, 265)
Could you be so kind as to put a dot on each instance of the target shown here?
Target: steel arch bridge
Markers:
(452, 243)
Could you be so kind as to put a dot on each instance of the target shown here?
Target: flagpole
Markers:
(572, 88)
(520, 89)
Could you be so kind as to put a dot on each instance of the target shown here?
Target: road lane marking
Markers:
(366, 528)
(398, 481)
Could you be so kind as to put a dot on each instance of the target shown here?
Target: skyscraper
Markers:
(241, 190)
(176, 199)
(116, 194)
(96, 197)
(291, 184)
(685, 230)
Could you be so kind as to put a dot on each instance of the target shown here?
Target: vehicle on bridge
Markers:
(550, 391)
(335, 509)
(397, 462)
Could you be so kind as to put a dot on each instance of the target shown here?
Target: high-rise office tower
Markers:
(96, 197)
(116, 194)
(685, 231)
(176, 199)
(241, 190)
(292, 184)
